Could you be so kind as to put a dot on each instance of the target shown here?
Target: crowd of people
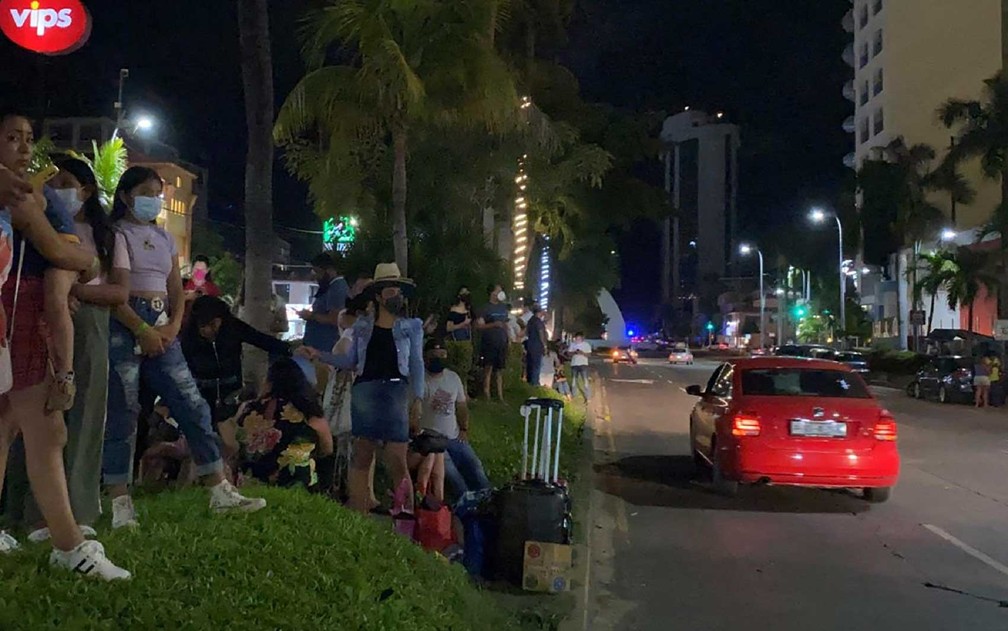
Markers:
(114, 367)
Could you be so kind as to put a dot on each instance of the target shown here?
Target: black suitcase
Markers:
(536, 507)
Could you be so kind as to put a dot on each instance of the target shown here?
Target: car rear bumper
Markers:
(750, 464)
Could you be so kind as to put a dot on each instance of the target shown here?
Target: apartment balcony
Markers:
(848, 54)
(849, 125)
(850, 161)
(848, 91)
(848, 21)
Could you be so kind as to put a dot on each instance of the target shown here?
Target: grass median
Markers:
(302, 562)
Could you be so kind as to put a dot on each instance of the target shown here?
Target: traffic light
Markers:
(710, 326)
(799, 312)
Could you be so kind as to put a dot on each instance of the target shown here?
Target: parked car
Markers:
(857, 361)
(947, 379)
(814, 351)
(681, 354)
(796, 422)
(624, 354)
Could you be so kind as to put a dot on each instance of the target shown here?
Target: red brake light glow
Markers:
(885, 428)
(745, 424)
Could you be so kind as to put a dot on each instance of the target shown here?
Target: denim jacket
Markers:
(408, 335)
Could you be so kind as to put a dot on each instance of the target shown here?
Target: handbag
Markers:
(434, 528)
(6, 370)
(430, 442)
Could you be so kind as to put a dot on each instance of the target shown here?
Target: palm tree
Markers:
(909, 179)
(939, 267)
(982, 132)
(414, 64)
(260, 241)
(970, 270)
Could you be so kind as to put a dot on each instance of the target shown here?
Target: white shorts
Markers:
(981, 381)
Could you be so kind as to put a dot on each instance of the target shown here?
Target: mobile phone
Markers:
(43, 176)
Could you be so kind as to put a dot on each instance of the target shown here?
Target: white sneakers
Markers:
(225, 497)
(8, 543)
(123, 513)
(89, 560)
(42, 534)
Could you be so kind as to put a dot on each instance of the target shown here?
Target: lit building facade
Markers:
(908, 58)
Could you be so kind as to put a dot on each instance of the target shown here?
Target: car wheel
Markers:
(942, 395)
(878, 495)
(722, 486)
(915, 390)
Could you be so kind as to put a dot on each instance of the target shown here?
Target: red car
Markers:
(793, 421)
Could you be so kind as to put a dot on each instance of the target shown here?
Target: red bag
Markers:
(434, 529)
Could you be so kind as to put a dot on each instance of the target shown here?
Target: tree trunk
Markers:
(899, 303)
(931, 313)
(399, 241)
(970, 327)
(260, 240)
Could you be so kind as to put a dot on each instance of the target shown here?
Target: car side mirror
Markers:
(694, 391)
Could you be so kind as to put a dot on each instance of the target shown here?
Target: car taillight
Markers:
(615, 354)
(961, 373)
(745, 424)
(885, 428)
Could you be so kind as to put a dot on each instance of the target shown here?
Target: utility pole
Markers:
(120, 114)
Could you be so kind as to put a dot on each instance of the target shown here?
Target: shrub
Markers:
(895, 362)
(460, 356)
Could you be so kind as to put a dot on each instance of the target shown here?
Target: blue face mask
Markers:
(146, 208)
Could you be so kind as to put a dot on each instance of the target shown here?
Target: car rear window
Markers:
(803, 382)
(850, 357)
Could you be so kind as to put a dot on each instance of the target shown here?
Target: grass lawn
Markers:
(303, 563)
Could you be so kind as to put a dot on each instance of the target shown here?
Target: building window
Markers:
(878, 41)
(879, 122)
(877, 88)
(864, 15)
(178, 182)
(864, 55)
(864, 93)
(863, 136)
(877, 7)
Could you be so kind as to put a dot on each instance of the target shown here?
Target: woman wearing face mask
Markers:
(91, 302)
(212, 344)
(24, 229)
(386, 352)
(459, 320)
(143, 338)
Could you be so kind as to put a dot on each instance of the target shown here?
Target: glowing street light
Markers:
(818, 215)
(948, 234)
(745, 250)
(145, 123)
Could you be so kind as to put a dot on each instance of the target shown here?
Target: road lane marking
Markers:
(645, 382)
(968, 549)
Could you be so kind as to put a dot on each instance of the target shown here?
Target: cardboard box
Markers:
(548, 567)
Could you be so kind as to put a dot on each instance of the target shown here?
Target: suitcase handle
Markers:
(544, 461)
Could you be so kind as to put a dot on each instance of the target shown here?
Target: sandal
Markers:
(61, 393)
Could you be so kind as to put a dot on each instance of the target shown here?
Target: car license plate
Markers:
(819, 429)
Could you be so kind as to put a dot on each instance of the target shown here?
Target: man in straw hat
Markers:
(386, 352)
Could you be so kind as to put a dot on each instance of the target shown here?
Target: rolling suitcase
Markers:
(536, 507)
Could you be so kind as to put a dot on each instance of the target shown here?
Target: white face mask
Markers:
(501, 296)
(70, 199)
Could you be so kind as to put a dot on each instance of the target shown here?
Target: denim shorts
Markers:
(379, 410)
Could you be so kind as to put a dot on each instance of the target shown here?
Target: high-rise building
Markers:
(909, 57)
(701, 152)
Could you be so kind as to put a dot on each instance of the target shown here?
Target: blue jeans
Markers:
(579, 379)
(168, 376)
(533, 364)
(463, 469)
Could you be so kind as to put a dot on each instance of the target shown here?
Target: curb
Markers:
(584, 512)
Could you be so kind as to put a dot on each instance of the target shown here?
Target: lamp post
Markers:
(818, 215)
(746, 250)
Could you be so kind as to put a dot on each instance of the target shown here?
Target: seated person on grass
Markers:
(281, 438)
(446, 413)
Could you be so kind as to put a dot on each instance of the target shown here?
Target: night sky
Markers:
(773, 66)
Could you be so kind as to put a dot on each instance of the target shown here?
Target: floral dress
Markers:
(277, 444)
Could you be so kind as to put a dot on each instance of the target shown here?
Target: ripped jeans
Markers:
(168, 376)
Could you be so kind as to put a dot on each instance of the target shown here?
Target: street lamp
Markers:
(145, 123)
(818, 215)
(745, 250)
(948, 234)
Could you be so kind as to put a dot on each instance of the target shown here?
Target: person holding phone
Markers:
(493, 327)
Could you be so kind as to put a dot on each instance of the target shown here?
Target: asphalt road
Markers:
(666, 553)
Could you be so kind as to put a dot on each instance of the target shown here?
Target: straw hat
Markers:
(388, 275)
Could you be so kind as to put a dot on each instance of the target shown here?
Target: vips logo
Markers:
(49, 27)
